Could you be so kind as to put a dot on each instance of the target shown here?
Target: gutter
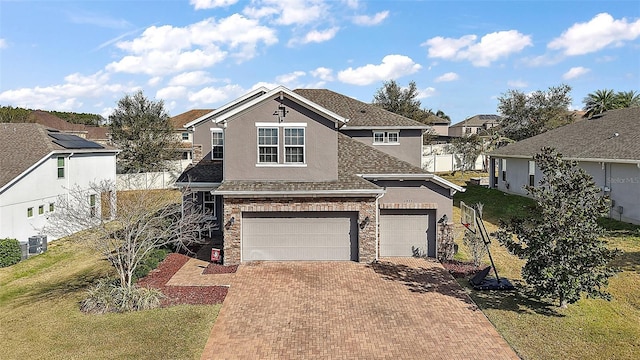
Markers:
(598, 160)
(306, 193)
(429, 177)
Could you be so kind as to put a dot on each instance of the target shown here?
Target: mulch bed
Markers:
(461, 269)
(219, 269)
(176, 295)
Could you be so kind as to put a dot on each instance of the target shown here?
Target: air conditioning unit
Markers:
(37, 244)
(24, 249)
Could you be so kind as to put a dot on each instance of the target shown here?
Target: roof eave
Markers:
(429, 177)
(397, 127)
(226, 106)
(599, 160)
(300, 193)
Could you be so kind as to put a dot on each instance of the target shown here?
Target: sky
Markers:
(84, 56)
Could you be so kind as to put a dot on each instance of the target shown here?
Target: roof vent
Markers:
(363, 111)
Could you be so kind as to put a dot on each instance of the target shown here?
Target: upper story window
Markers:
(217, 144)
(467, 130)
(185, 136)
(532, 173)
(93, 206)
(386, 137)
(294, 145)
(60, 167)
(268, 145)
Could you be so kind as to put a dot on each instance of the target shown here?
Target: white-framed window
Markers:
(52, 207)
(504, 169)
(209, 204)
(294, 145)
(217, 144)
(185, 136)
(93, 206)
(30, 212)
(60, 167)
(386, 137)
(268, 145)
(532, 173)
(41, 210)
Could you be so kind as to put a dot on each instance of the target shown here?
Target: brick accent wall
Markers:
(197, 153)
(233, 208)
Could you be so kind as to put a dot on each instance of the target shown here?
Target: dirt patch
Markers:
(461, 269)
(219, 269)
(176, 295)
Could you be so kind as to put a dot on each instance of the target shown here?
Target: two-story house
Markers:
(37, 166)
(185, 137)
(477, 124)
(315, 175)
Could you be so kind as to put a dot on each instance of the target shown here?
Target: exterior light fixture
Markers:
(364, 223)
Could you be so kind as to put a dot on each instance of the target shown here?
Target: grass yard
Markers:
(537, 328)
(40, 317)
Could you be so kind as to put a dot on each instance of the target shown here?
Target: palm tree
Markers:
(627, 99)
(599, 101)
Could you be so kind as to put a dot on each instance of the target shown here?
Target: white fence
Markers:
(152, 180)
(448, 162)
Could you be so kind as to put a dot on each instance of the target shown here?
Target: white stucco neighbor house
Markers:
(37, 166)
(607, 146)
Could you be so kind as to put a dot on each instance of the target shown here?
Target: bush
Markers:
(150, 262)
(10, 252)
(108, 296)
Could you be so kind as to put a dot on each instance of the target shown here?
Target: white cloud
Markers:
(323, 73)
(517, 84)
(288, 12)
(65, 96)
(392, 67)
(193, 78)
(290, 78)
(267, 85)
(425, 93)
(211, 4)
(575, 72)
(490, 48)
(366, 20)
(171, 92)
(3, 43)
(352, 4)
(154, 81)
(166, 49)
(320, 36)
(598, 33)
(450, 76)
(209, 96)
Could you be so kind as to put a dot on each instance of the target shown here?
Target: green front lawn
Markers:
(40, 317)
(537, 328)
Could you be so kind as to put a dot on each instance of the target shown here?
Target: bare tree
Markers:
(127, 229)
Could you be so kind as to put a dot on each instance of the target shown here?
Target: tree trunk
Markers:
(563, 302)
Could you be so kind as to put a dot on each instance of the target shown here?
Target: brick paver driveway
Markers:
(394, 309)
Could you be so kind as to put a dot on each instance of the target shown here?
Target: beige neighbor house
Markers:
(606, 146)
(478, 124)
(315, 175)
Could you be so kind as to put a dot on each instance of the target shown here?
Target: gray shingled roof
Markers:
(478, 120)
(360, 114)
(23, 145)
(587, 139)
(205, 171)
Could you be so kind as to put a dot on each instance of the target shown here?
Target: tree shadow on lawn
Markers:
(628, 261)
(521, 300)
(423, 280)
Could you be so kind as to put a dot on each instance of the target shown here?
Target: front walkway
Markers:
(400, 308)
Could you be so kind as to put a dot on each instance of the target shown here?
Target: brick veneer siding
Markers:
(233, 207)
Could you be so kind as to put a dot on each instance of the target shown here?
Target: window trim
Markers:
(61, 167)
(40, 210)
(212, 200)
(385, 137)
(272, 146)
(183, 136)
(221, 132)
(30, 212)
(51, 207)
(93, 207)
(296, 146)
(503, 167)
(532, 173)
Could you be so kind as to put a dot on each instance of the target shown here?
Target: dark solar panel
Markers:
(69, 141)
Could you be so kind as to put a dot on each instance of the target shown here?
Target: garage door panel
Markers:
(299, 236)
(402, 233)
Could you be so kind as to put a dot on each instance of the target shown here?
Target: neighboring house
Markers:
(478, 124)
(92, 133)
(38, 165)
(606, 146)
(184, 135)
(287, 178)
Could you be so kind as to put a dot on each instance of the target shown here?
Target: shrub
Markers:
(10, 252)
(150, 262)
(108, 296)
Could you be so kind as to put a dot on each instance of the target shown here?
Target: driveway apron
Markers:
(397, 308)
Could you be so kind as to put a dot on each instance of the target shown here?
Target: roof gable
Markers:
(360, 114)
(613, 136)
(179, 121)
(228, 106)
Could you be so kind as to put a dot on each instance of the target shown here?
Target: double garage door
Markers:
(299, 236)
(407, 232)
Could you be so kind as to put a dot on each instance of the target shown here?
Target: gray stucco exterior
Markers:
(409, 147)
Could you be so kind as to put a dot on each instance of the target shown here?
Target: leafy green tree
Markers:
(527, 115)
(402, 101)
(470, 147)
(599, 101)
(9, 114)
(560, 241)
(142, 130)
(627, 99)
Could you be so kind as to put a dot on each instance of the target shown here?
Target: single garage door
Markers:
(404, 231)
(299, 236)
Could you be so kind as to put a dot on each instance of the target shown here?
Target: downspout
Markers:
(378, 226)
